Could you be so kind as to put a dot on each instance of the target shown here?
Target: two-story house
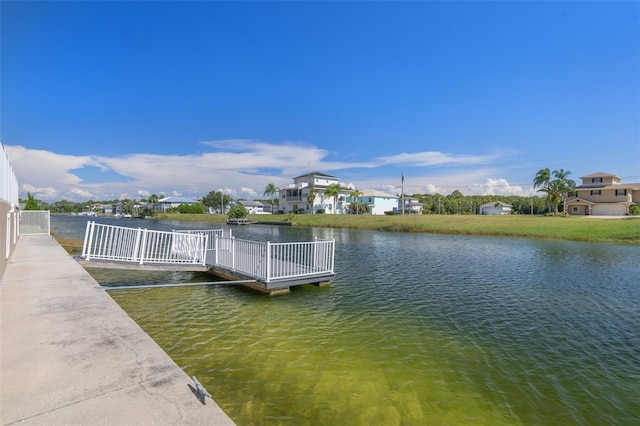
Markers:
(411, 205)
(602, 194)
(295, 198)
(377, 203)
(495, 208)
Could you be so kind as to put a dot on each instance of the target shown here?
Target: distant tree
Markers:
(311, 198)
(216, 200)
(556, 189)
(333, 190)
(542, 181)
(270, 190)
(237, 212)
(32, 203)
(565, 185)
(355, 193)
(153, 199)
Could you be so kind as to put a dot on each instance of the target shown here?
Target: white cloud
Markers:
(242, 168)
(433, 158)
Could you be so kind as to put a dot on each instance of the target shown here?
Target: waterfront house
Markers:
(495, 208)
(167, 203)
(411, 205)
(253, 207)
(377, 203)
(294, 198)
(602, 194)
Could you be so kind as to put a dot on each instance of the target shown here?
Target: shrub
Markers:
(634, 209)
(197, 208)
(237, 212)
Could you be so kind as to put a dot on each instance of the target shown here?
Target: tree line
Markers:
(555, 184)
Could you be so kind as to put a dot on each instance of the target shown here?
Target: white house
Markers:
(411, 205)
(376, 203)
(253, 207)
(167, 203)
(495, 208)
(294, 198)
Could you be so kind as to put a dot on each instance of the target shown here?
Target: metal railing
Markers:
(118, 243)
(35, 222)
(264, 261)
(275, 261)
(210, 233)
(8, 181)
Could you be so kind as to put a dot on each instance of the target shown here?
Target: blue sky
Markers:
(107, 100)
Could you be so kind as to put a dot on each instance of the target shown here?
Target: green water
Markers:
(415, 329)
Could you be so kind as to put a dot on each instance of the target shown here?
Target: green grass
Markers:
(622, 230)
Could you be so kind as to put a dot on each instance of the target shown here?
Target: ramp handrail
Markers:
(119, 243)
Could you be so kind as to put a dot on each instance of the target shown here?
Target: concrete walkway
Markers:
(69, 355)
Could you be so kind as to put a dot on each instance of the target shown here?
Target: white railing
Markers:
(118, 243)
(264, 261)
(8, 181)
(275, 261)
(35, 222)
(210, 233)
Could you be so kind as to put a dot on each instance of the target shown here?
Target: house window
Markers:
(621, 192)
(597, 192)
(596, 180)
(575, 209)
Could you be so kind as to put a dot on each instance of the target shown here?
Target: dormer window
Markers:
(596, 180)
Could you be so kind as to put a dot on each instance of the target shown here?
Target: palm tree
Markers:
(333, 190)
(554, 193)
(542, 181)
(355, 194)
(311, 198)
(153, 199)
(565, 185)
(270, 190)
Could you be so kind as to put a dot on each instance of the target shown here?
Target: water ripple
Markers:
(415, 329)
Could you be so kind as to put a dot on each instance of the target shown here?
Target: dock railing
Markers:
(118, 243)
(264, 261)
(270, 262)
(210, 233)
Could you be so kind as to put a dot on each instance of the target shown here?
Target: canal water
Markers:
(415, 329)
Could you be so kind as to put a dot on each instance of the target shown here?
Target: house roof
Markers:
(316, 174)
(599, 174)
(181, 200)
(250, 203)
(493, 204)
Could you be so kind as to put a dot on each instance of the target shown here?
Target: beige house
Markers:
(602, 194)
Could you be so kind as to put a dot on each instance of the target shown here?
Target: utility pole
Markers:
(402, 193)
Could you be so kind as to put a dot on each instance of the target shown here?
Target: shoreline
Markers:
(623, 229)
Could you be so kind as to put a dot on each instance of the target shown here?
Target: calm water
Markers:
(415, 329)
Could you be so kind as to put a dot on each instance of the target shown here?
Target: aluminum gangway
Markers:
(272, 266)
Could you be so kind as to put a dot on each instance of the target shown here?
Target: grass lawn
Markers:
(576, 228)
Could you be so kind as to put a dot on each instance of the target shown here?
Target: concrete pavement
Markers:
(70, 355)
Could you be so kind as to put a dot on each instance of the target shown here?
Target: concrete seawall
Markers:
(70, 355)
